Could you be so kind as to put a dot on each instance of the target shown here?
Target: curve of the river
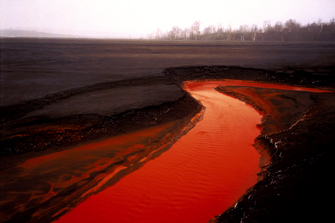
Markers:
(204, 173)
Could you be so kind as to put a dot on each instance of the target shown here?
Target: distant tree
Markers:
(149, 36)
(292, 25)
(253, 31)
(158, 34)
(293, 28)
(243, 30)
(185, 33)
(332, 24)
(208, 31)
(278, 28)
(266, 26)
(229, 32)
(320, 23)
(289, 31)
(313, 27)
(266, 29)
(219, 31)
(175, 33)
(195, 30)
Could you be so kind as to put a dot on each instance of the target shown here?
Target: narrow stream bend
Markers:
(203, 173)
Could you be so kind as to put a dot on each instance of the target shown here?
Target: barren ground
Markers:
(58, 93)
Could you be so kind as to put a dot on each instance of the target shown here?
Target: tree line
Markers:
(291, 30)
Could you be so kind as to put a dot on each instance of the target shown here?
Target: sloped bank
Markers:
(44, 188)
(297, 141)
(92, 112)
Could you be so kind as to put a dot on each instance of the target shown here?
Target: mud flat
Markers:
(297, 140)
(297, 137)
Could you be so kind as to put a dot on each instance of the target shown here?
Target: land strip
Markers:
(299, 145)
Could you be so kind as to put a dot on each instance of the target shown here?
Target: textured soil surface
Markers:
(297, 142)
(47, 108)
(91, 112)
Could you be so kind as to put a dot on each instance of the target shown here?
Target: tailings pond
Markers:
(201, 175)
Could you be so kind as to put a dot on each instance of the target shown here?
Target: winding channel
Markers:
(203, 173)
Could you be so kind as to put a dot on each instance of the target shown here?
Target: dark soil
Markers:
(320, 78)
(20, 134)
(294, 181)
(295, 185)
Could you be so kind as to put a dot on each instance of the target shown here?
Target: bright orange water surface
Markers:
(204, 173)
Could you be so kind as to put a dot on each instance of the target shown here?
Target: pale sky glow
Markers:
(111, 18)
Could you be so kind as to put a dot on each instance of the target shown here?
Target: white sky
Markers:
(121, 18)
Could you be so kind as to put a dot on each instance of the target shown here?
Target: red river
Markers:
(204, 173)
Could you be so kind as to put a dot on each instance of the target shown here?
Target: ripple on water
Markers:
(203, 173)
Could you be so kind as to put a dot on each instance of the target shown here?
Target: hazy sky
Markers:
(121, 18)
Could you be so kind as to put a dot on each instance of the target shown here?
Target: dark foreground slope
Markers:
(298, 144)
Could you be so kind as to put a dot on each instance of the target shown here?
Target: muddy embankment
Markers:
(91, 112)
(297, 142)
(39, 183)
(297, 133)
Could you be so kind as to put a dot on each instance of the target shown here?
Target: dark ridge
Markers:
(79, 128)
(18, 110)
(291, 76)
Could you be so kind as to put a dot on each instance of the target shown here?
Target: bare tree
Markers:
(229, 33)
(177, 32)
(292, 25)
(195, 30)
(254, 30)
(208, 31)
(320, 23)
(243, 30)
(219, 30)
(266, 26)
(279, 29)
(332, 24)
(289, 31)
(185, 33)
(158, 34)
(150, 36)
(293, 28)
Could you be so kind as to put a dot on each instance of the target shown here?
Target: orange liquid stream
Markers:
(204, 173)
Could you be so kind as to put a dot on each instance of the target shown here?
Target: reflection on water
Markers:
(203, 173)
